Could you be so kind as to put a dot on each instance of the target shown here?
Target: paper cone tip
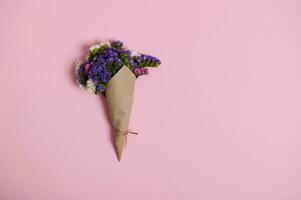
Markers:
(119, 150)
(119, 155)
(119, 145)
(119, 159)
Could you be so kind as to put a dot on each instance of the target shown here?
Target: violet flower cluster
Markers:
(105, 60)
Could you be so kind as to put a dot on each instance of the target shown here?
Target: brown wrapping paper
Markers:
(119, 96)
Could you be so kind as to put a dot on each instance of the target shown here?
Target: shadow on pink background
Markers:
(219, 120)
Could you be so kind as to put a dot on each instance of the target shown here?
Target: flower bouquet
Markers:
(111, 69)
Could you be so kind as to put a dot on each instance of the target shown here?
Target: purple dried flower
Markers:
(139, 59)
(101, 60)
(128, 52)
(116, 44)
(100, 88)
(111, 59)
(99, 72)
(105, 76)
(87, 67)
(141, 71)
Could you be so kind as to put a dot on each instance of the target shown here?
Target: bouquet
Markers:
(110, 69)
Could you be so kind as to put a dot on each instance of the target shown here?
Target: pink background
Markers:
(219, 120)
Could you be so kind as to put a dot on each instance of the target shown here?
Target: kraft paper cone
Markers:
(119, 96)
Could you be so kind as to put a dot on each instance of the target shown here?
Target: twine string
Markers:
(125, 133)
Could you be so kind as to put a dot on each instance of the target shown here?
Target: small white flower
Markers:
(134, 53)
(77, 65)
(107, 43)
(96, 46)
(91, 87)
(81, 87)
